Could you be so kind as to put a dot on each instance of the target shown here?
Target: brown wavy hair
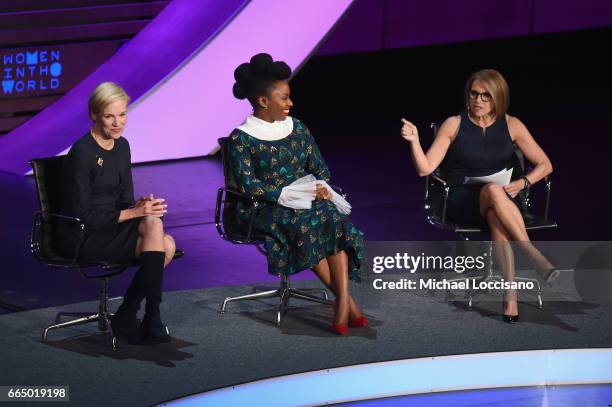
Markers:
(496, 85)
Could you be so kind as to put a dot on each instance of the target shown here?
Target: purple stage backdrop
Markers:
(186, 109)
(194, 106)
(373, 25)
(186, 115)
(176, 33)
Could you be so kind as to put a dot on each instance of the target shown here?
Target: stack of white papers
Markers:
(501, 178)
(301, 193)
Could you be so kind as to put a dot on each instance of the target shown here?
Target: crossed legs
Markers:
(333, 272)
(506, 224)
(502, 250)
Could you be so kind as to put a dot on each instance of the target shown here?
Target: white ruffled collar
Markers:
(263, 130)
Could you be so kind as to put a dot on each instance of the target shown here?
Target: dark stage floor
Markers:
(210, 350)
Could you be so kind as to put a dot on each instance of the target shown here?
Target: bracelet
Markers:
(527, 183)
(527, 186)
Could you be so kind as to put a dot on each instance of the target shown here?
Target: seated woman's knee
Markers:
(491, 188)
(493, 192)
(151, 225)
(169, 246)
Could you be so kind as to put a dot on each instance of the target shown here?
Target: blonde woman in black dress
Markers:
(97, 188)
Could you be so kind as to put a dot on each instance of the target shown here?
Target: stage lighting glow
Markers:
(184, 113)
(195, 106)
(138, 65)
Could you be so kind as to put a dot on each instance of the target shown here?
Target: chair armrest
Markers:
(547, 186)
(438, 179)
(41, 218)
(254, 204)
(67, 219)
(441, 183)
(547, 190)
(254, 201)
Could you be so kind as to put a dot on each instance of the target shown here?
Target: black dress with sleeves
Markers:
(96, 186)
(296, 239)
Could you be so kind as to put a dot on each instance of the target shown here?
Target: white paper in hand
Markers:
(301, 192)
(341, 204)
(501, 178)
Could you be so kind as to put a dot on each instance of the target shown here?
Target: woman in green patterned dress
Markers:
(270, 151)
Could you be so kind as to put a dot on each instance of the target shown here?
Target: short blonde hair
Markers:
(496, 85)
(103, 95)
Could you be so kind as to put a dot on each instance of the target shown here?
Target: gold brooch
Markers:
(100, 161)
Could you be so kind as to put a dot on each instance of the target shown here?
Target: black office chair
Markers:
(236, 232)
(436, 197)
(44, 242)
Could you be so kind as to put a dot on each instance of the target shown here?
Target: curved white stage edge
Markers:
(418, 376)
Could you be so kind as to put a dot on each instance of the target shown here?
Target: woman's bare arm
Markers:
(532, 151)
(426, 163)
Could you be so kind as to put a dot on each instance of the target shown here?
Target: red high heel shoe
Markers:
(360, 322)
(339, 329)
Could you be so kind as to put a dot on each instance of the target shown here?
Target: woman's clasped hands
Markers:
(151, 206)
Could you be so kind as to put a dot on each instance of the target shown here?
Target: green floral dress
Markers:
(296, 239)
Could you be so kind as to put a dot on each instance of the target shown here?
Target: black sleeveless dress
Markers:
(475, 152)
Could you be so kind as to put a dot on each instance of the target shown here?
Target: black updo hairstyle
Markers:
(255, 77)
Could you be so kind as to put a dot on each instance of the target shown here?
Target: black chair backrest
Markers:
(234, 227)
(48, 177)
(230, 181)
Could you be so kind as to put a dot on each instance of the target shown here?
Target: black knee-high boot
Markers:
(133, 296)
(124, 322)
(152, 265)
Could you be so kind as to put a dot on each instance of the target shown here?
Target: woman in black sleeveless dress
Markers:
(97, 188)
(480, 142)
(476, 151)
